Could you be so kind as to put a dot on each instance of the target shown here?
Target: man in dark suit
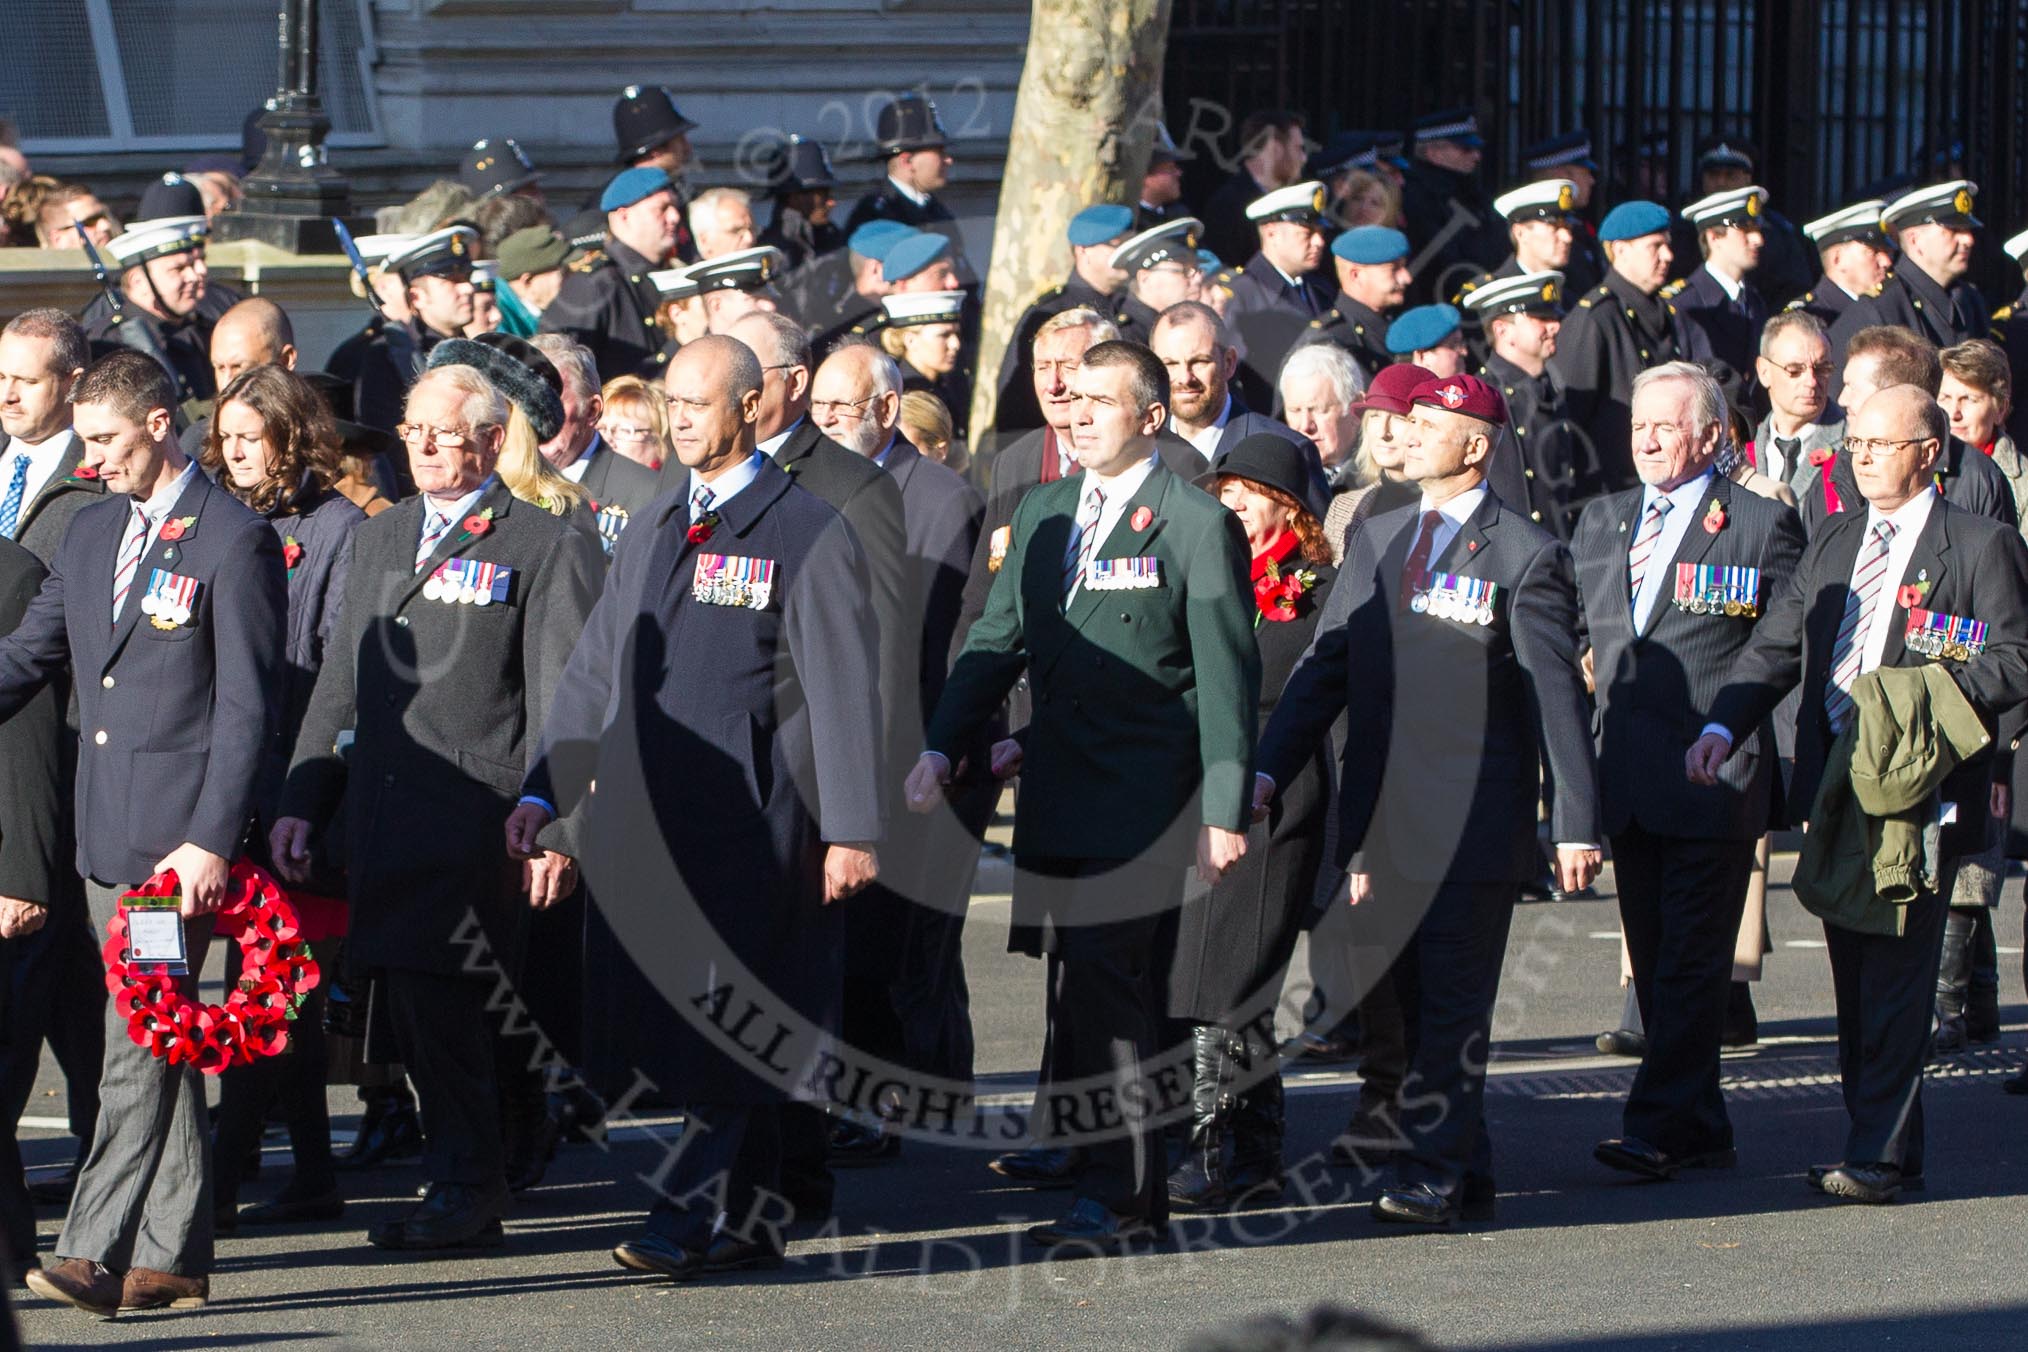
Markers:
(620, 488)
(32, 869)
(903, 938)
(58, 997)
(1674, 576)
(1927, 292)
(1848, 612)
(445, 700)
(1124, 596)
(1205, 407)
(1450, 642)
(179, 711)
(738, 800)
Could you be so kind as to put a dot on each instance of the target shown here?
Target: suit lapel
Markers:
(457, 539)
(901, 462)
(1125, 541)
(1464, 549)
(1695, 543)
(164, 554)
(60, 483)
(1929, 562)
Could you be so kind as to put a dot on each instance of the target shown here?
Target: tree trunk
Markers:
(1084, 119)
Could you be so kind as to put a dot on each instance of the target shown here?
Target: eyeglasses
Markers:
(619, 432)
(415, 434)
(1822, 370)
(1866, 446)
(841, 408)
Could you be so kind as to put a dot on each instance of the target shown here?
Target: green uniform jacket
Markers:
(1144, 699)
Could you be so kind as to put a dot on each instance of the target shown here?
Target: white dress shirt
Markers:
(772, 447)
(915, 195)
(1206, 440)
(1731, 286)
(726, 486)
(1686, 505)
(1908, 519)
(1119, 491)
(43, 457)
(1773, 462)
(1455, 514)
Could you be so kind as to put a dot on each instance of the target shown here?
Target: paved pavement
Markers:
(928, 1253)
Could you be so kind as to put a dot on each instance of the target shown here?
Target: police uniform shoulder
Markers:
(1675, 288)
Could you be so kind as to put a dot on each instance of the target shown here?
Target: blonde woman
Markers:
(927, 425)
(921, 333)
(636, 421)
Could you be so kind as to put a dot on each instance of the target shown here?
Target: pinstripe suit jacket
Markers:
(1656, 687)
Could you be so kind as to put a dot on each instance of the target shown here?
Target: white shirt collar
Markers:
(726, 486)
(920, 198)
(576, 469)
(1730, 285)
(1458, 510)
(1683, 497)
(165, 498)
(772, 447)
(43, 458)
(1909, 518)
(458, 509)
(1206, 440)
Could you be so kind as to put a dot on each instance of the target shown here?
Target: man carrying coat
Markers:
(1674, 576)
(178, 708)
(724, 700)
(1908, 573)
(1124, 595)
(1450, 641)
(461, 606)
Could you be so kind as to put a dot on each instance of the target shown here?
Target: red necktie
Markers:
(1415, 575)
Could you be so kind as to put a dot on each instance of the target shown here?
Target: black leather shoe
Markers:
(854, 1146)
(391, 1133)
(1320, 1049)
(730, 1253)
(1585, 893)
(1093, 1226)
(530, 1149)
(453, 1216)
(664, 1257)
(1041, 1166)
(1414, 1204)
(1819, 1172)
(1632, 1155)
(287, 1210)
(1950, 1037)
(1622, 1042)
(54, 1191)
(1872, 1184)
(2017, 1083)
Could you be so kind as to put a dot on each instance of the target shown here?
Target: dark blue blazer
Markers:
(175, 722)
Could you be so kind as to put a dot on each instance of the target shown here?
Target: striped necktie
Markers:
(436, 525)
(1083, 541)
(129, 562)
(1643, 551)
(1848, 654)
(17, 491)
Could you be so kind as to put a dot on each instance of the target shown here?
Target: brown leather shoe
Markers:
(147, 1289)
(91, 1287)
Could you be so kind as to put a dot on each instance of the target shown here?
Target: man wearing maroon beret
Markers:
(1450, 645)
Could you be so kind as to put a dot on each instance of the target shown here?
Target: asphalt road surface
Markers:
(928, 1249)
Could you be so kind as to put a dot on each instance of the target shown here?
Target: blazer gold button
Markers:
(401, 621)
(99, 737)
(106, 681)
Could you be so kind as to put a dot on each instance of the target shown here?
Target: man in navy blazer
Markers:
(1675, 576)
(167, 599)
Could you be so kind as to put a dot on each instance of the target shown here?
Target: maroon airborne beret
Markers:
(1468, 395)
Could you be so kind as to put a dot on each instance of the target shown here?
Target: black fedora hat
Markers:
(1268, 460)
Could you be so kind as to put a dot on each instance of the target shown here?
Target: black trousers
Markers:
(726, 1175)
(1104, 1012)
(448, 1043)
(1447, 977)
(1886, 991)
(1680, 904)
(52, 989)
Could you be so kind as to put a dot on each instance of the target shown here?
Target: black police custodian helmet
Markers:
(909, 122)
(797, 164)
(646, 116)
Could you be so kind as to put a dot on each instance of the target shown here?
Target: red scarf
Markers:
(1276, 598)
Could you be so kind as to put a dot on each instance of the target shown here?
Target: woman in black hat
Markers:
(1234, 939)
(273, 446)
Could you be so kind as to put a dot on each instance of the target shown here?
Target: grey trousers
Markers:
(143, 1197)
